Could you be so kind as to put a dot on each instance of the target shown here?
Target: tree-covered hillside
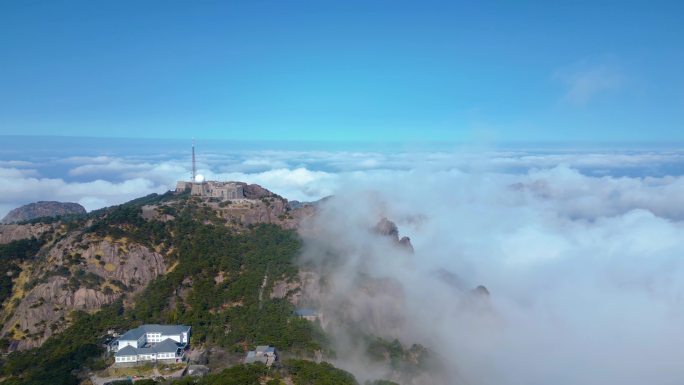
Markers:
(217, 282)
(11, 256)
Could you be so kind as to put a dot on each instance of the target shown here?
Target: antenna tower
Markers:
(194, 167)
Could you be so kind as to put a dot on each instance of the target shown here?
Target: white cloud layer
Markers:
(97, 181)
(16, 188)
(581, 250)
(586, 273)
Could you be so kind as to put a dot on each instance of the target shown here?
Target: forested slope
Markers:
(215, 280)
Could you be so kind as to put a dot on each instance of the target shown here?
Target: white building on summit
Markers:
(212, 189)
(153, 343)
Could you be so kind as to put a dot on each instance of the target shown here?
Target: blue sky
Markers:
(489, 71)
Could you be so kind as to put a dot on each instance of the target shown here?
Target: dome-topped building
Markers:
(211, 189)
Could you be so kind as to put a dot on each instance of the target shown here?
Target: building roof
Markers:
(166, 346)
(306, 312)
(252, 358)
(135, 334)
(144, 350)
(126, 351)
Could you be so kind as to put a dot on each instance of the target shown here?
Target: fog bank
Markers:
(585, 274)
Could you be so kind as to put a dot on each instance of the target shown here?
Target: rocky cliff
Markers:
(78, 273)
(263, 207)
(42, 209)
(90, 261)
(389, 229)
(9, 233)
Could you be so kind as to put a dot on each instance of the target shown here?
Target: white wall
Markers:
(154, 338)
(124, 343)
(175, 337)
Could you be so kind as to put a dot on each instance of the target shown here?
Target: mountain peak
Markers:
(42, 209)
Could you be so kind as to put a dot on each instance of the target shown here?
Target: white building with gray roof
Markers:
(153, 343)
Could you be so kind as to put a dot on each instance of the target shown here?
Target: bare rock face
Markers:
(272, 210)
(42, 209)
(294, 204)
(405, 242)
(9, 233)
(78, 274)
(257, 205)
(264, 206)
(44, 310)
(298, 215)
(282, 288)
(304, 290)
(480, 291)
(389, 229)
(254, 191)
(132, 264)
(249, 212)
(151, 212)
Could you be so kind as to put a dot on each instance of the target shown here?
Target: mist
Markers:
(584, 275)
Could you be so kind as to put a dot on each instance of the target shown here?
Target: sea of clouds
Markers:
(586, 274)
(581, 250)
(98, 173)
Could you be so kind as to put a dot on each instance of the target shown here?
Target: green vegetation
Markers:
(21, 249)
(11, 256)
(55, 360)
(81, 278)
(302, 373)
(215, 286)
(8, 270)
(410, 360)
(220, 283)
(146, 382)
(53, 219)
(311, 373)
(237, 375)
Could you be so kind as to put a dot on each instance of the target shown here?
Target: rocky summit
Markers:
(42, 209)
(229, 267)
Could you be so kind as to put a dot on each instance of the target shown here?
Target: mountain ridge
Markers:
(42, 209)
(229, 268)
